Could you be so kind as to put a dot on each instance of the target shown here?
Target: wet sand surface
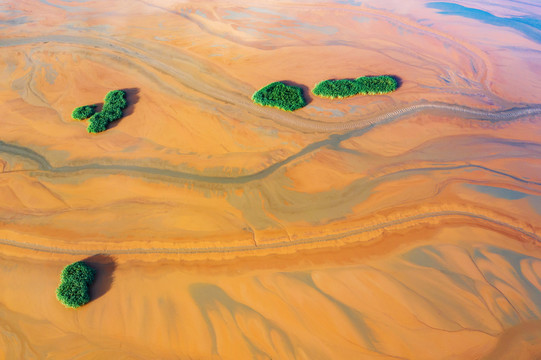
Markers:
(399, 226)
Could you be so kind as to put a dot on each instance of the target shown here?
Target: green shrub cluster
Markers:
(83, 112)
(374, 85)
(280, 95)
(366, 85)
(74, 282)
(115, 102)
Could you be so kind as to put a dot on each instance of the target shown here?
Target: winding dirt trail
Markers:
(275, 245)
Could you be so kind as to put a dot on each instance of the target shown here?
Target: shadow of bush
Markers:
(105, 266)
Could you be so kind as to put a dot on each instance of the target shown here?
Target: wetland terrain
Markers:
(403, 225)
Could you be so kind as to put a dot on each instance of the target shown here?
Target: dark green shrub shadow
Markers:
(105, 266)
(398, 80)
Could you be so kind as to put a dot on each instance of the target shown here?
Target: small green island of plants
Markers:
(75, 280)
(366, 85)
(281, 96)
(115, 102)
(83, 112)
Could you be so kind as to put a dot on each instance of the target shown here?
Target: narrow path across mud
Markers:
(275, 245)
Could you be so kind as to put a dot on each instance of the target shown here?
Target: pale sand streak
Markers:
(276, 245)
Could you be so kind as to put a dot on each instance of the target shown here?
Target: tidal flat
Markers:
(405, 225)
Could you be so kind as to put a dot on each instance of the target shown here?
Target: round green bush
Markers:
(78, 271)
(74, 282)
(83, 112)
(98, 123)
(116, 99)
(73, 294)
(280, 95)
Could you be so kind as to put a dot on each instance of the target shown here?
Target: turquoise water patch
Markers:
(334, 112)
(253, 23)
(362, 19)
(528, 26)
(248, 30)
(17, 21)
(522, 283)
(64, 7)
(328, 30)
(50, 73)
(350, 2)
(426, 256)
(270, 12)
(235, 15)
(83, 27)
(535, 203)
(500, 193)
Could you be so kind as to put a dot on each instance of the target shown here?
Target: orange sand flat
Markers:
(401, 226)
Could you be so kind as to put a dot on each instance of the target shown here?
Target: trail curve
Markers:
(275, 245)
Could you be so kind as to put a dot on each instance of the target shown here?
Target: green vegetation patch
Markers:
(83, 112)
(281, 96)
(115, 102)
(74, 282)
(366, 85)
